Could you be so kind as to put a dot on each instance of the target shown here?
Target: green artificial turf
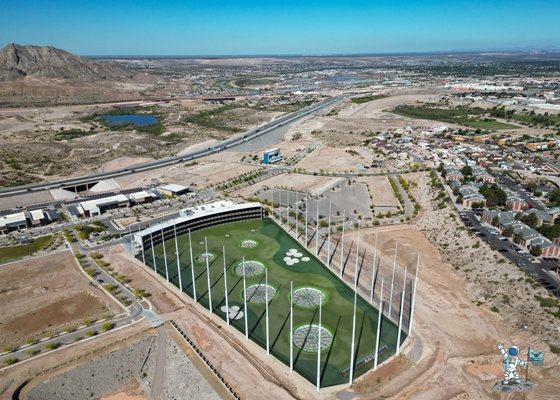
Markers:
(273, 243)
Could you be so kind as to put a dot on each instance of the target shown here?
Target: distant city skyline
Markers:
(248, 27)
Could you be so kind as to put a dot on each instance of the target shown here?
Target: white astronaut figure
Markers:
(511, 361)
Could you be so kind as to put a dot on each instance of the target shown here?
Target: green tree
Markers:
(494, 195)
(532, 220)
(508, 231)
(554, 197)
(536, 251)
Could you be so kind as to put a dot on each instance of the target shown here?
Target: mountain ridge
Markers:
(19, 61)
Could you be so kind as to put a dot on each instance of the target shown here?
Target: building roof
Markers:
(172, 187)
(542, 242)
(37, 215)
(194, 213)
(140, 195)
(13, 219)
(104, 201)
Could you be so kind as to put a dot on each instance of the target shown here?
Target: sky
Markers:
(253, 27)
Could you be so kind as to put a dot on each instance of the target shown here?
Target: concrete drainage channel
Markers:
(203, 357)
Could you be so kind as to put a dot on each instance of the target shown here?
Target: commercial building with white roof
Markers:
(199, 217)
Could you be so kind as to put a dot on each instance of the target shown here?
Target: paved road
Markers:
(537, 270)
(227, 144)
(134, 311)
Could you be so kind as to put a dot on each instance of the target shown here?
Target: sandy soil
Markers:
(124, 264)
(298, 182)
(453, 350)
(44, 295)
(332, 159)
(131, 391)
(124, 162)
(200, 175)
(374, 109)
(380, 190)
(64, 357)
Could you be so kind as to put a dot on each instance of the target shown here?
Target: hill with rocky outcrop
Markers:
(17, 61)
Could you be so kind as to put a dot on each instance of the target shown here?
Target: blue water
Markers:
(134, 119)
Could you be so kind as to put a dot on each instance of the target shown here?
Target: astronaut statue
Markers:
(511, 361)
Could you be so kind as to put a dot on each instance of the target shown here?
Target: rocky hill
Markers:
(17, 61)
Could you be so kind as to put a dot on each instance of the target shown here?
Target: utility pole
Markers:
(164, 255)
(413, 295)
(225, 283)
(393, 279)
(177, 258)
(192, 268)
(342, 244)
(208, 276)
(374, 269)
(378, 333)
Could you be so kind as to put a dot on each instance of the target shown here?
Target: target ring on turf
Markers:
(308, 297)
(257, 293)
(249, 244)
(206, 256)
(252, 268)
(306, 337)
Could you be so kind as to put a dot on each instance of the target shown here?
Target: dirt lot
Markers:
(298, 182)
(45, 295)
(123, 264)
(332, 159)
(453, 354)
(380, 190)
(203, 174)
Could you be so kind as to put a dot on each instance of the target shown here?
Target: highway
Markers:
(226, 144)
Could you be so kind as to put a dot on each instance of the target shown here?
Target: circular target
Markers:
(257, 293)
(307, 338)
(308, 297)
(251, 267)
(206, 256)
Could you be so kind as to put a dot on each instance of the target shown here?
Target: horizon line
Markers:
(357, 54)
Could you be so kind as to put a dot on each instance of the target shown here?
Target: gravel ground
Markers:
(182, 379)
(111, 373)
(101, 376)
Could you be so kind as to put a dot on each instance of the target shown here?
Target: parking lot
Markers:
(537, 269)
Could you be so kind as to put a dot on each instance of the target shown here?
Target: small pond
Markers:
(134, 119)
